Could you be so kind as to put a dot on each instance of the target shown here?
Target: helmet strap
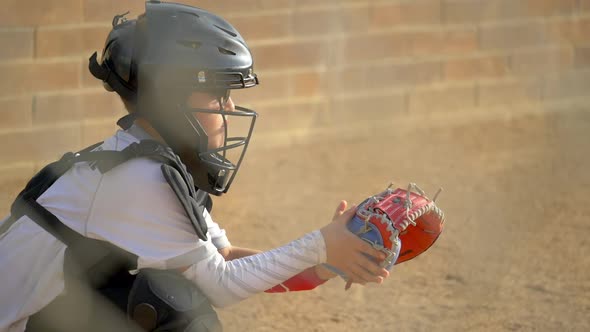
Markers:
(106, 75)
(127, 121)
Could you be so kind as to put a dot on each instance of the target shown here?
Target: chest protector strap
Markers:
(193, 200)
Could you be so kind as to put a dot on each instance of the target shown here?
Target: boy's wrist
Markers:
(323, 273)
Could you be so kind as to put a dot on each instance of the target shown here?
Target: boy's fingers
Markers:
(348, 284)
(340, 209)
(366, 276)
(366, 248)
(348, 214)
(372, 267)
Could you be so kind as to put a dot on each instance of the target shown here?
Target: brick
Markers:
(513, 36)
(550, 7)
(347, 79)
(331, 20)
(307, 84)
(18, 43)
(93, 39)
(263, 26)
(298, 4)
(290, 116)
(347, 109)
(15, 113)
(35, 13)
(105, 10)
(77, 107)
(386, 15)
(470, 69)
(575, 31)
(13, 178)
(28, 78)
(399, 75)
(508, 92)
(461, 11)
(292, 54)
(542, 61)
(441, 99)
(97, 132)
(582, 57)
(102, 105)
(54, 109)
(16, 146)
(409, 43)
(282, 85)
(566, 85)
(52, 142)
(239, 6)
(52, 42)
(475, 11)
(373, 47)
(272, 86)
(454, 42)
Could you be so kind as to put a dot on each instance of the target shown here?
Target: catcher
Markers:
(119, 236)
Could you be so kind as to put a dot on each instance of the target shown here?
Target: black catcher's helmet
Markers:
(156, 61)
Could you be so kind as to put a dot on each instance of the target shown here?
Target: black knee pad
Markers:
(162, 300)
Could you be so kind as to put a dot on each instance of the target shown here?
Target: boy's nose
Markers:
(229, 105)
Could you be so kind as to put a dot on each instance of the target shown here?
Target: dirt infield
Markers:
(514, 256)
(515, 253)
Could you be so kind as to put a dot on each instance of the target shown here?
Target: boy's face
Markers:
(213, 124)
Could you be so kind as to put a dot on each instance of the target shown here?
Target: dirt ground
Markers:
(515, 253)
(514, 256)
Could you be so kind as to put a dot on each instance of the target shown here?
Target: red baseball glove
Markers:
(403, 223)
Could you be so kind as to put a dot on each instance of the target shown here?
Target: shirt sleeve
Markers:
(228, 282)
(216, 233)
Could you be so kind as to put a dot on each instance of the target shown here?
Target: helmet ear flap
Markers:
(107, 87)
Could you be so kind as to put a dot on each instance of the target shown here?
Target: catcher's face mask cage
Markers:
(222, 146)
(180, 50)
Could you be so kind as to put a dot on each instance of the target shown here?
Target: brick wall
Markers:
(322, 64)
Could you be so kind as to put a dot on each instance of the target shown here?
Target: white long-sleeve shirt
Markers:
(133, 207)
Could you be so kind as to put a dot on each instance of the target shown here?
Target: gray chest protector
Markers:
(100, 293)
